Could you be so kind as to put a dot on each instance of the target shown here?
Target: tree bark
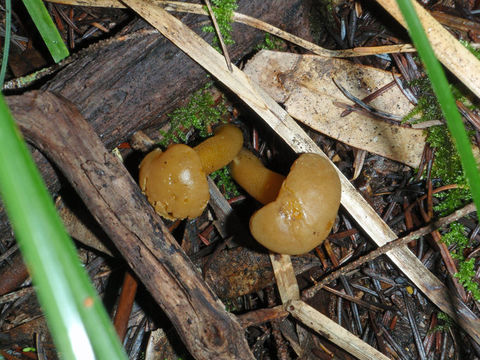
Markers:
(129, 83)
(56, 127)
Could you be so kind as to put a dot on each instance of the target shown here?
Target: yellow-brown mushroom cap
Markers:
(304, 211)
(174, 182)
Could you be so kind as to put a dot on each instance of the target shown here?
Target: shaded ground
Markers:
(375, 302)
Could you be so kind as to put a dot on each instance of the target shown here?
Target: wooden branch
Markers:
(279, 120)
(56, 127)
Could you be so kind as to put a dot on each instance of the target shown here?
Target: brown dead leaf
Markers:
(303, 83)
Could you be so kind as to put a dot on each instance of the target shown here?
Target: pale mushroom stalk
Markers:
(259, 182)
(175, 181)
(300, 215)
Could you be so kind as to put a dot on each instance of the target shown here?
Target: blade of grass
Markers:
(76, 317)
(445, 98)
(6, 45)
(47, 29)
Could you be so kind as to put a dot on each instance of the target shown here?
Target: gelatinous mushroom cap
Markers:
(304, 211)
(174, 182)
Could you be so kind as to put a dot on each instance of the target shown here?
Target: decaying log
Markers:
(12, 275)
(128, 83)
(57, 128)
(239, 271)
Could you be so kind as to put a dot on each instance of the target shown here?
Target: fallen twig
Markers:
(258, 24)
(219, 35)
(386, 248)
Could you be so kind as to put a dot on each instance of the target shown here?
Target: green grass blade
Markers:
(6, 45)
(445, 98)
(76, 317)
(47, 29)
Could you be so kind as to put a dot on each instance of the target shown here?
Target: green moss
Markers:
(199, 114)
(466, 268)
(474, 51)
(428, 106)
(224, 181)
(445, 322)
(455, 236)
(466, 275)
(271, 42)
(446, 166)
(223, 11)
(447, 169)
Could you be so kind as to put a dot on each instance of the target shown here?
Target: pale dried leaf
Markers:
(303, 83)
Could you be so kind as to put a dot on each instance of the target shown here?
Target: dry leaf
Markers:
(304, 84)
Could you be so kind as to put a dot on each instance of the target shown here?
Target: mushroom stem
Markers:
(258, 181)
(218, 150)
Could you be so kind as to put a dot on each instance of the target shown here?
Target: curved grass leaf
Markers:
(76, 317)
(47, 29)
(445, 98)
(6, 44)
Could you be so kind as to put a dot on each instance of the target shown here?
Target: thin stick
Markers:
(307, 294)
(260, 316)
(219, 34)
(258, 24)
(372, 96)
(125, 304)
(363, 105)
(369, 306)
(332, 331)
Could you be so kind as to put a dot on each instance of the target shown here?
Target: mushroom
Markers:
(175, 181)
(300, 215)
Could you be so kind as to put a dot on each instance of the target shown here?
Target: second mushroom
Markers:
(299, 210)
